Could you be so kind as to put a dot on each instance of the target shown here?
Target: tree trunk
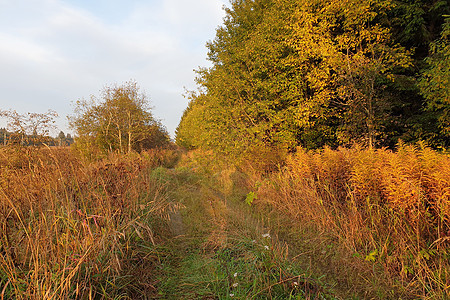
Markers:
(129, 131)
(129, 141)
(120, 142)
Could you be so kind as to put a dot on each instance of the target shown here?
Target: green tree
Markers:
(61, 135)
(120, 121)
(435, 81)
(288, 73)
(313, 73)
(61, 138)
(189, 131)
(414, 25)
(367, 63)
(254, 97)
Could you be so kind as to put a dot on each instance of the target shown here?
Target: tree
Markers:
(435, 81)
(368, 63)
(120, 121)
(288, 73)
(3, 136)
(61, 135)
(253, 88)
(30, 128)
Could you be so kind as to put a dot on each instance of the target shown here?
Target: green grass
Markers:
(225, 252)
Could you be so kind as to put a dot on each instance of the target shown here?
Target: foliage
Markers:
(120, 121)
(376, 221)
(389, 209)
(435, 82)
(312, 73)
(189, 133)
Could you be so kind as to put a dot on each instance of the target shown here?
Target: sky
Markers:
(55, 52)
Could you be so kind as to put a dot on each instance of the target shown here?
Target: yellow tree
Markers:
(297, 72)
(120, 121)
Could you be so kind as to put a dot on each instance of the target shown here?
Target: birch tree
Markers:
(121, 120)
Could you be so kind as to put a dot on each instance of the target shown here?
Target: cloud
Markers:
(53, 52)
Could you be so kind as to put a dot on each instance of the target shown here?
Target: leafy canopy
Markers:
(289, 73)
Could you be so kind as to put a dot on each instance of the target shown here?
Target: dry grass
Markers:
(73, 229)
(376, 219)
(389, 211)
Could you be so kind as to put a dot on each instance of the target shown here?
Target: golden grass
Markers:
(72, 229)
(77, 229)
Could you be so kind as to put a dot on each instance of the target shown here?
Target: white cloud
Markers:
(12, 47)
(53, 52)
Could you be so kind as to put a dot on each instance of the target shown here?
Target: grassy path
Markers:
(218, 250)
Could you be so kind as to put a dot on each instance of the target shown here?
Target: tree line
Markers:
(31, 129)
(14, 138)
(310, 73)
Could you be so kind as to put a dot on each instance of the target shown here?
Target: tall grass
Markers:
(77, 229)
(221, 250)
(390, 211)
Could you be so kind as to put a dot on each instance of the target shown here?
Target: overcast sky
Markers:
(53, 52)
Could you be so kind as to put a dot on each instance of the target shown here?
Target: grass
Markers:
(358, 223)
(76, 229)
(225, 252)
(329, 224)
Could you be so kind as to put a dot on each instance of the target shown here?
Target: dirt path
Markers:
(176, 223)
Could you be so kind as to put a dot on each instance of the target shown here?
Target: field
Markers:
(165, 224)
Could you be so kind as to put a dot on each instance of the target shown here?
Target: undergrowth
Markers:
(347, 223)
(223, 251)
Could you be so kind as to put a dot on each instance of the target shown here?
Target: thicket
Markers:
(73, 229)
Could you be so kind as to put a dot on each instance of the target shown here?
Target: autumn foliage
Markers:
(389, 208)
(322, 73)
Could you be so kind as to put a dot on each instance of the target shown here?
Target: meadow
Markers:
(326, 224)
